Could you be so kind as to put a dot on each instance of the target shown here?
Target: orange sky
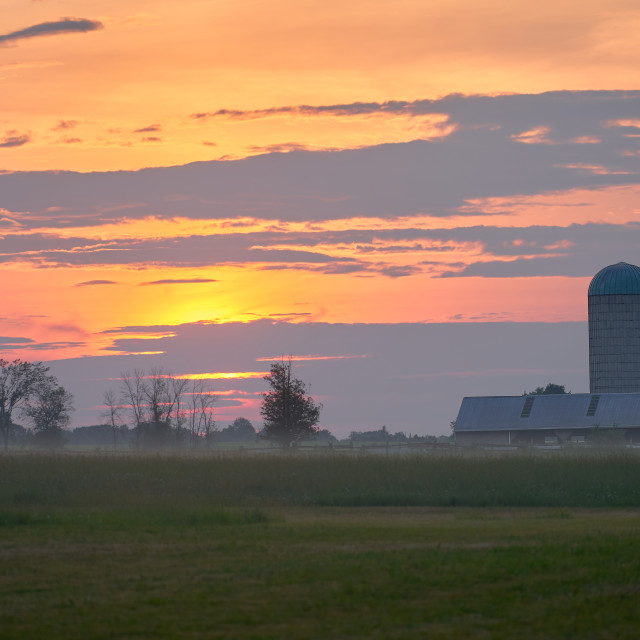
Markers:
(502, 212)
(122, 96)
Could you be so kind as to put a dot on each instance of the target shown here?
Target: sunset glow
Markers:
(305, 165)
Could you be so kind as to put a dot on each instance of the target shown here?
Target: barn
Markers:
(539, 420)
(614, 373)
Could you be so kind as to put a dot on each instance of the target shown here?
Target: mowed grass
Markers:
(167, 547)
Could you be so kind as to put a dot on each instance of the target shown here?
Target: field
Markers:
(452, 546)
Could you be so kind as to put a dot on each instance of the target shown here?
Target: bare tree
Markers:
(18, 381)
(113, 413)
(178, 390)
(159, 401)
(200, 413)
(156, 404)
(133, 395)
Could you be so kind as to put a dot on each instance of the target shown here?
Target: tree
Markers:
(49, 408)
(164, 408)
(112, 413)
(133, 398)
(324, 435)
(290, 415)
(200, 418)
(550, 389)
(18, 381)
(240, 430)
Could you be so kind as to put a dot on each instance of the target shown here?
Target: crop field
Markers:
(448, 546)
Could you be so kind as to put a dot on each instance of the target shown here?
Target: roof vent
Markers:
(593, 405)
(526, 409)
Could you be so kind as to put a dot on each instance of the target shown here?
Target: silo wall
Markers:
(614, 343)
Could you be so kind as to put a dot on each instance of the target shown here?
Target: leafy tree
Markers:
(290, 415)
(550, 389)
(324, 435)
(98, 435)
(49, 408)
(18, 381)
(240, 430)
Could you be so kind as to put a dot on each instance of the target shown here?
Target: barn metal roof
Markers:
(616, 279)
(553, 411)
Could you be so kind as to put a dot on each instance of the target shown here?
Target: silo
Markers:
(614, 329)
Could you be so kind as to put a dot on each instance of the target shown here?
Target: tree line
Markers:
(160, 409)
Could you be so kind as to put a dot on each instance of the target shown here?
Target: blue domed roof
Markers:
(616, 279)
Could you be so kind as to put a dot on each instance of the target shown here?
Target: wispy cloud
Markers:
(91, 283)
(65, 125)
(64, 25)
(14, 139)
(6, 341)
(537, 135)
(179, 281)
(286, 147)
(352, 109)
(309, 358)
(151, 127)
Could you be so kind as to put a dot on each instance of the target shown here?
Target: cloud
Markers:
(286, 147)
(482, 158)
(64, 25)
(179, 281)
(91, 283)
(65, 125)
(537, 135)
(207, 143)
(574, 250)
(13, 139)
(395, 107)
(6, 341)
(151, 127)
(151, 139)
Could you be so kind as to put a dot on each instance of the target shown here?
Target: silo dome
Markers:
(616, 279)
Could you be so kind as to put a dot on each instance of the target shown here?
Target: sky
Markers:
(407, 197)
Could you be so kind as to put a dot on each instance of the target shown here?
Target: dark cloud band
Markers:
(64, 25)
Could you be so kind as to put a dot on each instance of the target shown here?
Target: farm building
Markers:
(614, 373)
(546, 419)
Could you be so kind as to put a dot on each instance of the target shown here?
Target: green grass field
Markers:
(320, 547)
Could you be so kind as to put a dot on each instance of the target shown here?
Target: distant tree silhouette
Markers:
(550, 389)
(240, 430)
(380, 435)
(324, 435)
(290, 415)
